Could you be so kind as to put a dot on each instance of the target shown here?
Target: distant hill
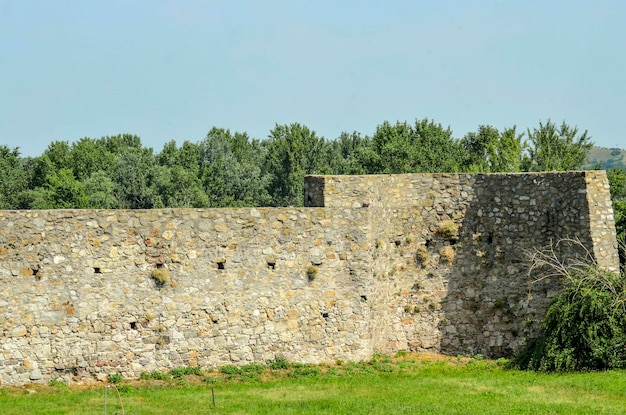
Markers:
(606, 158)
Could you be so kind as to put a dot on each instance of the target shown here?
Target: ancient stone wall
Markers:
(374, 263)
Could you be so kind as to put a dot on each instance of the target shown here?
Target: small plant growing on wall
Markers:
(422, 256)
(449, 229)
(160, 276)
(500, 303)
(311, 272)
(447, 254)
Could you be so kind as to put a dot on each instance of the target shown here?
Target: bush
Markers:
(181, 371)
(304, 372)
(422, 256)
(160, 276)
(154, 375)
(278, 363)
(448, 254)
(253, 368)
(230, 370)
(115, 378)
(584, 327)
(449, 229)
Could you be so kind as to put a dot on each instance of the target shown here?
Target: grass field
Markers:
(409, 384)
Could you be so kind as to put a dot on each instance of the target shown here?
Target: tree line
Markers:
(231, 169)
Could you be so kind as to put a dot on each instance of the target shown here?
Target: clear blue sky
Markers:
(171, 69)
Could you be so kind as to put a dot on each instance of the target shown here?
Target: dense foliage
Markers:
(584, 327)
(228, 169)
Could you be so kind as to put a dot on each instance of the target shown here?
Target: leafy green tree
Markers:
(67, 192)
(179, 184)
(88, 156)
(58, 152)
(345, 154)
(60, 191)
(37, 198)
(555, 148)
(134, 174)
(99, 191)
(617, 183)
(584, 327)
(230, 169)
(293, 151)
(13, 180)
(422, 147)
(489, 150)
(54, 158)
(118, 144)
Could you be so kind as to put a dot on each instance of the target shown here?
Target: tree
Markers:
(99, 191)
(617, 183)
(13, 180)
(293, 151)
(134, 174)
(346, 153)
(66, 192)
(119, 143)
(585, 325)
(230, 169)
(179, 183)
(422, 147)
(490, 151)
(555, 148)
(88, 156)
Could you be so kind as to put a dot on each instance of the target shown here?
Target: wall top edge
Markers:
(161, 210)
(542, 173)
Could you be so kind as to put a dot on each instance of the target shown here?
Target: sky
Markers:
(172, 69)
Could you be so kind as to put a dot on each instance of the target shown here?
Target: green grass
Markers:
(408, 384)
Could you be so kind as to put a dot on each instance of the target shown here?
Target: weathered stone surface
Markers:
(83, 293)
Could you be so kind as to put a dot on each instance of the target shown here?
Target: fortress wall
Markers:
(366, 268)
(472, 293)
(77, 299)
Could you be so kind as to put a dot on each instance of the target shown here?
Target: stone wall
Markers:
(373, 263)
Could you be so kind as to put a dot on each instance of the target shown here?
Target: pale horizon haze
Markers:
(171, 70)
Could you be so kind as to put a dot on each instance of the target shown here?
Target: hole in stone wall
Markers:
(325, 314)
(133, 325)
(97, 270)
(397, 243)
(159, 265)
(428, 243)
(271, 265)
(220, 265)
(490, 238)
(365, 204)
(35, 271)
(363, 297)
